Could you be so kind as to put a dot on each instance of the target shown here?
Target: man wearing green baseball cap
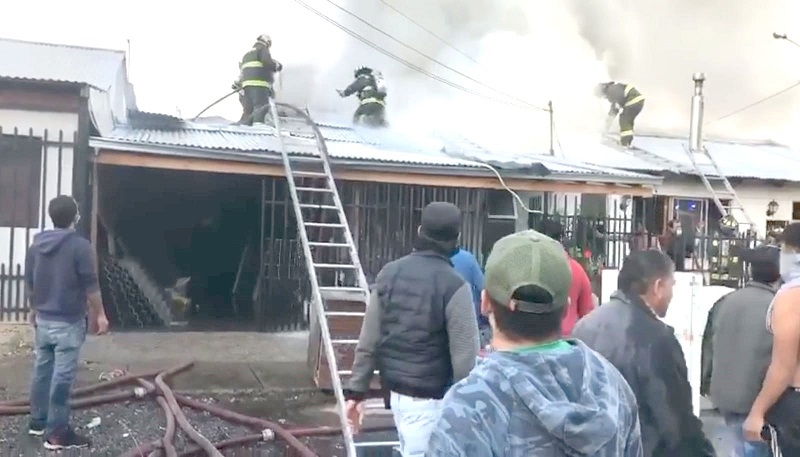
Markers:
(537, 393)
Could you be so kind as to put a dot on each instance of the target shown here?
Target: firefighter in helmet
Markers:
(626, 101)
(370, 89)
(258, 70)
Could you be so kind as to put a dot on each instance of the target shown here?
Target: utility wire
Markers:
(756, 103)
(430, 75)
(432, 59)
(442, 40)
(520, 104)
(399, 59)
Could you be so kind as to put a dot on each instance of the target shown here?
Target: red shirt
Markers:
(580, 297)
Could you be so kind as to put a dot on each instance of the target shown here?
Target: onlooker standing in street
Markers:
(419, 331)
(60, 277)
(778, 402)
(628, 333)
(741, 347)
(467, 266)
(581, 301)
(537, 394)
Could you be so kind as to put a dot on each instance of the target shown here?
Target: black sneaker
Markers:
(35, 428)
(66, 440)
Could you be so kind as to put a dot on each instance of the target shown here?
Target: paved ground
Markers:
(254, 373)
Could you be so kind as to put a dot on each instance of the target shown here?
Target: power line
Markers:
(756, 103)
(519, 104)
(442, 40)
(432, 59)
(399, 59)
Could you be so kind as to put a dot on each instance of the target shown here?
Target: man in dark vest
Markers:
(258, 70)
(419, 331)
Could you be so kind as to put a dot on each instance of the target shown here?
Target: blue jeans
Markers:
(731, 435)
(58, 345)
(415, 419)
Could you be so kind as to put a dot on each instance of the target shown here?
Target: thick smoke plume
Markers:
(556, 50)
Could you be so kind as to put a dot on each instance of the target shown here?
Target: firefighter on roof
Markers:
(628, 100)
(258, 70)
(371, 91)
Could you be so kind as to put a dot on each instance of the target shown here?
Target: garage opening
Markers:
(186, 249)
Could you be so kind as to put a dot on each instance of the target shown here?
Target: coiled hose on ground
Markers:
(171, 404)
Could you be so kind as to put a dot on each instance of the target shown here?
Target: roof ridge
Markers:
(62, 45)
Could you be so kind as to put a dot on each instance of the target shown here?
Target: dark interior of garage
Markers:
(176, 224)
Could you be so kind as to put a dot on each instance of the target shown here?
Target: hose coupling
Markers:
(267, 435)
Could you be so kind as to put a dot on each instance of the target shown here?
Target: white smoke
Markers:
(555, 50)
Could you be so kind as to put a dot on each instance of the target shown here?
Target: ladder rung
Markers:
(314, 189)
(348, 373)
(347, 266)
(323, 224)
(309, 174)
(314, 206)
(344, 313)
(328, 245)
(344, 341)
(377, 443)
(304, 157)
(340, 289)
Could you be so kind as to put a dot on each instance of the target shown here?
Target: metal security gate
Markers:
(383, 218)
(34, 168)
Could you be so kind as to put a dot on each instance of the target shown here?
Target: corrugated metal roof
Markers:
(250, 140)
(376, 146)
(462, 147)
(598, 153)
(735, 159)
(62, 63)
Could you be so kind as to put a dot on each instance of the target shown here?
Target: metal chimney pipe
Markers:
(698, 108)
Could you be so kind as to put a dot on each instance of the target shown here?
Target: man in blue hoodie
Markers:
(536, 394)
(467, 266)
(60, 278)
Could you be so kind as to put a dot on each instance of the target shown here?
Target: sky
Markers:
(511, 53)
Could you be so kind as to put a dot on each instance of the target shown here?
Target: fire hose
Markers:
(171, 404)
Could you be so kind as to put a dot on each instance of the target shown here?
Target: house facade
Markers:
(384, 179)
(46, 93)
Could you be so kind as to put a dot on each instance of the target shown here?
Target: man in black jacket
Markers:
(627, 331)
(419, 331)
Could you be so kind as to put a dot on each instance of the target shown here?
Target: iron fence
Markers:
(383, 219)
(605, 241)
(35, 166)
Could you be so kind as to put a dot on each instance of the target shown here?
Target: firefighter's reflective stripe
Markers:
(372, 100)
(255, 83)
(253, 64)
(634, 100)
(626, 133)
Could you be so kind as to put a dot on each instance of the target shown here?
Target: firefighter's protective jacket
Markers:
(366, 89)
(622, 95)
(258, 67)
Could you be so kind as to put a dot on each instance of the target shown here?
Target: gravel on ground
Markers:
(126, 425)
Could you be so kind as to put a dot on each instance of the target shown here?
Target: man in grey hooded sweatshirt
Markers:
(537, 394)
(60, 279)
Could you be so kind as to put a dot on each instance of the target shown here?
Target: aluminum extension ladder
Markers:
(712, 182)
(313, 191)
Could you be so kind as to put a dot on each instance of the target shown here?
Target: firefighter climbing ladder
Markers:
(712, 180)
(304, 198)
